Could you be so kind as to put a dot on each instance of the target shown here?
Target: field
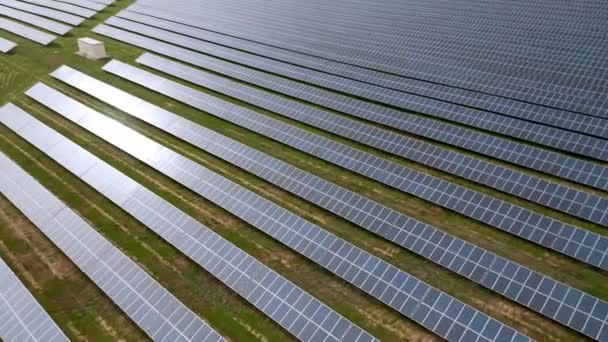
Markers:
(85, 313)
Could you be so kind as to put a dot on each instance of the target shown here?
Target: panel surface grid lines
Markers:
(154, 309)
(575, 242)
(403, 292)
(550, 116)
(540, 134)
(26, 32)
(475, 53)
(563, 166)
(573, 202)
(291, 307)
(474, 262)
(22, 319)
(94, 6)
(524, 155)
(104, 2)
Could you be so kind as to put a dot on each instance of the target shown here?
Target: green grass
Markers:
(227, 312)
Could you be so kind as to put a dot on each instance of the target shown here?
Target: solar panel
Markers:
(43, 11)
(35, 20)
(455, 254)
(145, 301)
(535, 189)
(472, 52)
(575, 242)
(6, 46)
(560, 165)
(218, 13)
(253, 26)
(94, 6)
(221, 10)
(499, 148)
(543, 135)
(291, 307)
(62, 6)
(401, 291)
(541, 114)
(104, 2)
(26, 32)
(21, 316)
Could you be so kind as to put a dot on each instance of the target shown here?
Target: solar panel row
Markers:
(92, 5)
(43, 11)
(540, 134)
(429, 307)
(21, 316)
(384, 35)
(147, 303)
(291, 307)
(65, 7)
(535, 189)
(6, 45)
(395, 15)
(550, 116)
(26, 32)
(455, 254)
(556, 164)
(438, 312)
(535, 53)
(501, 75)
(577, 243)
(507, 150)
(35, 20)
(338, 20)
(381, 32)
(393, 10)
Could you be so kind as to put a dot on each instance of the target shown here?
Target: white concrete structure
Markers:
(91, 48)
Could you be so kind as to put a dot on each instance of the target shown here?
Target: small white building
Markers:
(91, 48)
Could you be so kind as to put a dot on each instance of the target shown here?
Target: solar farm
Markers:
(279, 170)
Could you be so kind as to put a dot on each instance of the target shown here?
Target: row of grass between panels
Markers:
(52, 277)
